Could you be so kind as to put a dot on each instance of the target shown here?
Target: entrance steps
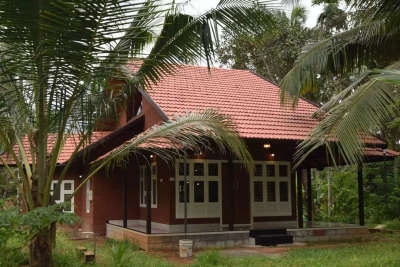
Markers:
(271, 237)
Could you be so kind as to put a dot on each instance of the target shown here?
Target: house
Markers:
(147, 204)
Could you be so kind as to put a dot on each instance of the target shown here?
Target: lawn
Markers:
(383, 251)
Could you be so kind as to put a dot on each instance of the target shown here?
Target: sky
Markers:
(198, 7)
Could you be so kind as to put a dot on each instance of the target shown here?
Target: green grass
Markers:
(383, 251)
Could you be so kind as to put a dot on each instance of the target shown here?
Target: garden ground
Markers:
(380, 250)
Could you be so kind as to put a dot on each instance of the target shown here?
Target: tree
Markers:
(270, 53)
(332, 19)
(369, 52)
(57, 59)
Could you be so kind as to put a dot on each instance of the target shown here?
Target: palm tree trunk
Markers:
(41, 249)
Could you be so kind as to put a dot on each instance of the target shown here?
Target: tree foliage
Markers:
(57, 59)
(270, 53)
(369, 102)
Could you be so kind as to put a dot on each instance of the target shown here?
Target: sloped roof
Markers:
(253, 103)
(71, 141)
(380, 152)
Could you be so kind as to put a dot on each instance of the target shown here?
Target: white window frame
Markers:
(142, 181)
(88, 196)
(267, 208)
(204, 209)
(63, 192)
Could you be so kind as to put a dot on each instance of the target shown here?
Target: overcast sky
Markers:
(198, 7)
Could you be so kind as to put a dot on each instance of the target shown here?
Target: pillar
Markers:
(309, 197)
(232, 194)
(360, 194)
(148, 199)
(125, 202)
(299, 199)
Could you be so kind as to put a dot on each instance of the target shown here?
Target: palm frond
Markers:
(206, 130)
(353, 114)
(185, 38)
(346, 52)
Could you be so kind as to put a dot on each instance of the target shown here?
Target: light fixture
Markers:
(272, 155)
(80, 176)
(267, 145)
(151, 156)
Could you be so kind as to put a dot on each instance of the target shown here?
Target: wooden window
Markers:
(143, 170)
(198, 191)
(283, 170)
(198, 169)
(213, 191)
(283, 191)
(258, 191)
(63, 194)
(213, 169)
(182, 192)
(258, 170)
(271, 192)
(181, 169)
(270, 170)
(203, 187)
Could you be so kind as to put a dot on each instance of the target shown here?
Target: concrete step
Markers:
(257, 232)
(273, 240)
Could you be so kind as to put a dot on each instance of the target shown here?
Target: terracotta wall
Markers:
(161, 214)
(108, 197)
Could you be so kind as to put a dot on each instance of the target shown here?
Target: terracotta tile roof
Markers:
(69, 147)
(380, 152)
(249, 100)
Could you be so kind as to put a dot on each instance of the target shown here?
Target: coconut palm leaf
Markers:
(205, 130)
(185, 38)
(353, 113)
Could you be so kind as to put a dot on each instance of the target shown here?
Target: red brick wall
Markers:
(152, 116)
(108, 197)
(165, 188)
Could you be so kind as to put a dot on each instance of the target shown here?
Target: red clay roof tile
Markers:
(253, 103)
(71, 142)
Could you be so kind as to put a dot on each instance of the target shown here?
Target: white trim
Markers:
(203, 209)
(275, 207)
(88, 196)
(64, 192)
(142, 185)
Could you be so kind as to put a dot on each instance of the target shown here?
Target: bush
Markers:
(17, 229)
(121, 253)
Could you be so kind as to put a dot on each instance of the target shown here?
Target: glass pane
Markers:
(270, 170)
(271, 196)
(153, 170)
(258, 170)
(212, 169)
(67, 201)
(258, 192)
(181, 169)
(198, 169)
(213, 191)
(181, 192)
(154, 191)
(67, 186)
(198, 191)
(283, 170)
(284, 191)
